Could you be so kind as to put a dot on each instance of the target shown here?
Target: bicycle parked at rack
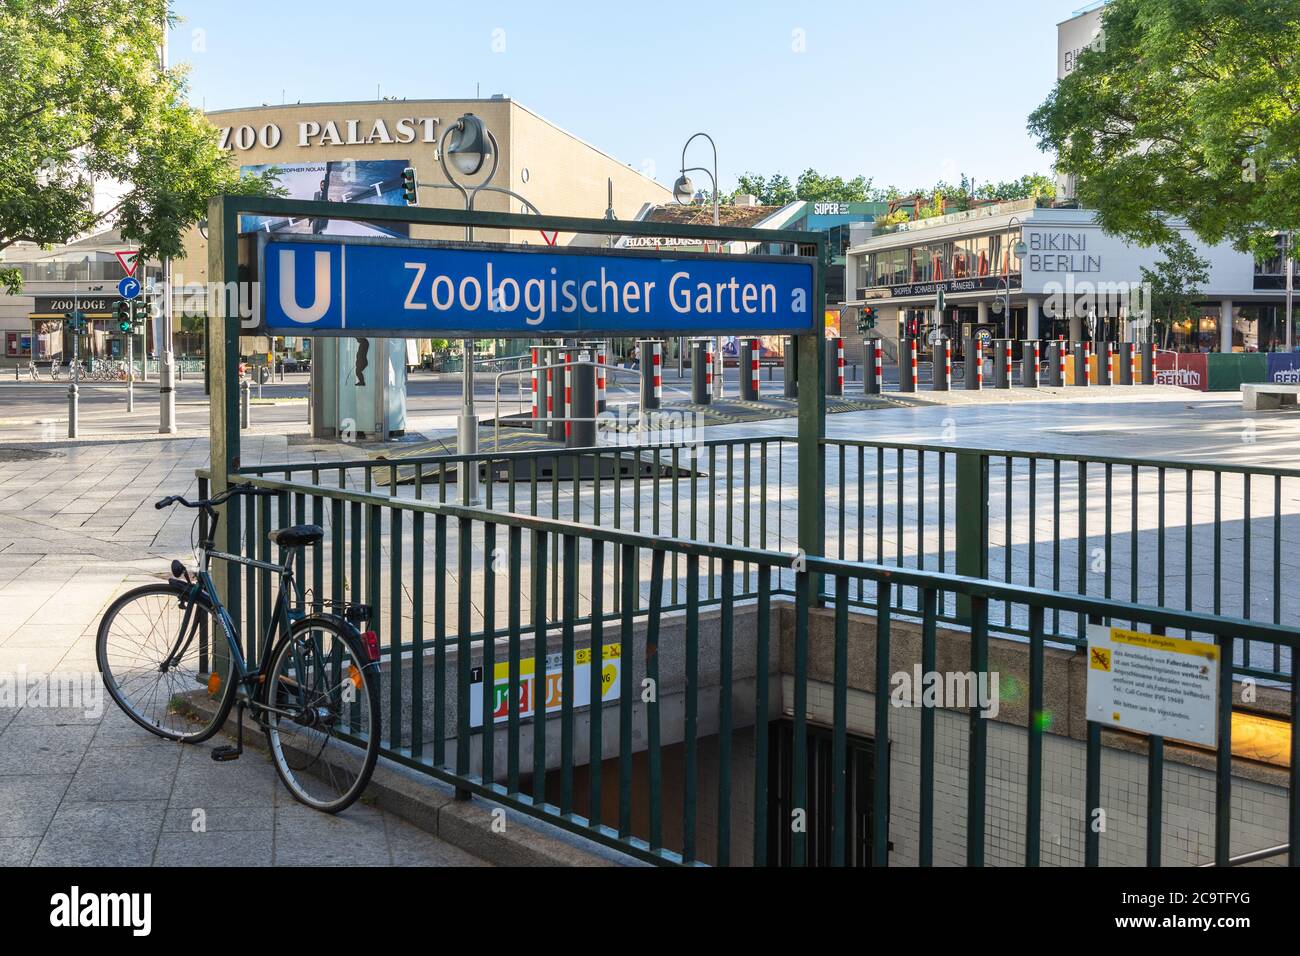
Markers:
(170, 657)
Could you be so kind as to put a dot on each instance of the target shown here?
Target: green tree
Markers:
(812, 186)
(1175, 284)
(1185, 108)
(773, 191)
(1031, 186)
(84, 99)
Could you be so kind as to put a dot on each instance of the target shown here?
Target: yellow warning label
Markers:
(1160, 642)
(1099, 659)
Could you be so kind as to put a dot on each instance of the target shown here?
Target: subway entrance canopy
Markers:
(411, 288)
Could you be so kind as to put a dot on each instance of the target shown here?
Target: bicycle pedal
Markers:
(225, 753)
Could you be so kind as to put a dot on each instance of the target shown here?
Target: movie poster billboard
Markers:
(374, 182)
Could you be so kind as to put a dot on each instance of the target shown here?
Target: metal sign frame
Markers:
(223, 331)
(572, 325)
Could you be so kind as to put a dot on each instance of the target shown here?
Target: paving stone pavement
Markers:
(78, 527)
(84, 785)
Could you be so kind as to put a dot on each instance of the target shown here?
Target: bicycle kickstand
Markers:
(228, 752)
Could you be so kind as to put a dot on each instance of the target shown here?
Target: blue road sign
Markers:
(416, 289)
(129, 288)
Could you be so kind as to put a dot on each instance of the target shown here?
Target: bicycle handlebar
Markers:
(216, 499)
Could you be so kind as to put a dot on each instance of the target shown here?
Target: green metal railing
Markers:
(1145, 530)
(492, 581)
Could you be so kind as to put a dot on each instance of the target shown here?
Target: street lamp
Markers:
(1018, 252)
(684, 193)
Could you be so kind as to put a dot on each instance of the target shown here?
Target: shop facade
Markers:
(1024, 271)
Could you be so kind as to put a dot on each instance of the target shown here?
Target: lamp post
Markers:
(1007, 331)
(163, 324)
(1290, 292)
(684, 193)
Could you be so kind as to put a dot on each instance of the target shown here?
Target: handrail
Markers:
(1252, 857)
(1171, 463)
(1271, 471)
(1192, 622)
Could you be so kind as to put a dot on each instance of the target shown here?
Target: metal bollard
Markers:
(582, 406)
(1055, 364)
(1083, 364)
(1105, 363)
(834, 366)
(72, 410)
(1127, 362)
(942, 376)
(974, 363)
(907, 365)
(1001, 363)
(701, 373)
(601, 360)
(1147, 362)
(245, 401)
(791, 370)
(875, 383)
(1030, 366)
(652, 383)
(748, 369)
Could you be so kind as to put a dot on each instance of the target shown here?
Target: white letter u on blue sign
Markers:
(288, 292)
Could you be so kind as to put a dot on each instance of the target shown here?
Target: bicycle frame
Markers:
(280, 621)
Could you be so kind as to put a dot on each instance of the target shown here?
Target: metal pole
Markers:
(130, 372)
(166, 355)
(1290, 291)
(76, 359)
(467, 421)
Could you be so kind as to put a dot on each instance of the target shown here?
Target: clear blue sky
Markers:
(906, 92)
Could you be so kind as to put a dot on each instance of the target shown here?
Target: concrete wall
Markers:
(1259, 799)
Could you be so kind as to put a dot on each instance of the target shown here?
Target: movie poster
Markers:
(375, 182)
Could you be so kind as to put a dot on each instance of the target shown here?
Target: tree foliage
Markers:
(1176, 282)
(1184, 108)
(812, 186)
(84, 99)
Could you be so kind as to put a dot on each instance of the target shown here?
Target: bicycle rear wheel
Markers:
(323, 721)
(161, 655)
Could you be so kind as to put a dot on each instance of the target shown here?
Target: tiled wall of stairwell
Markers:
(1258, 810)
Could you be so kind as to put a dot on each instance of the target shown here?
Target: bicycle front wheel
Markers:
(161, 654)
(322, 713)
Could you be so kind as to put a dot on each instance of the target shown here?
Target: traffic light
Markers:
(76, 321)
(866, 319)
(410, 190)
(139, 312)
(122, 315)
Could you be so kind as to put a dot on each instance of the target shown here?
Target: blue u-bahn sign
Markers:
(400, 288)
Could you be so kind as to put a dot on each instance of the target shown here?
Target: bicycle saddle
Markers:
(296, 535)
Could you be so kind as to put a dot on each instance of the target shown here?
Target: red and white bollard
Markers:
(657, 366)
(754, 347)
(652, 382)
(536, 410)
(907, 366)
(1007, 364)
(834, 366)
(600, 379)
(567, 357)
(943, 368)
(875, 383)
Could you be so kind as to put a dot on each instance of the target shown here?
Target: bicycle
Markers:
(314, 693)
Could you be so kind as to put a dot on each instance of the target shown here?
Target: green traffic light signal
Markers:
(410, 189)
